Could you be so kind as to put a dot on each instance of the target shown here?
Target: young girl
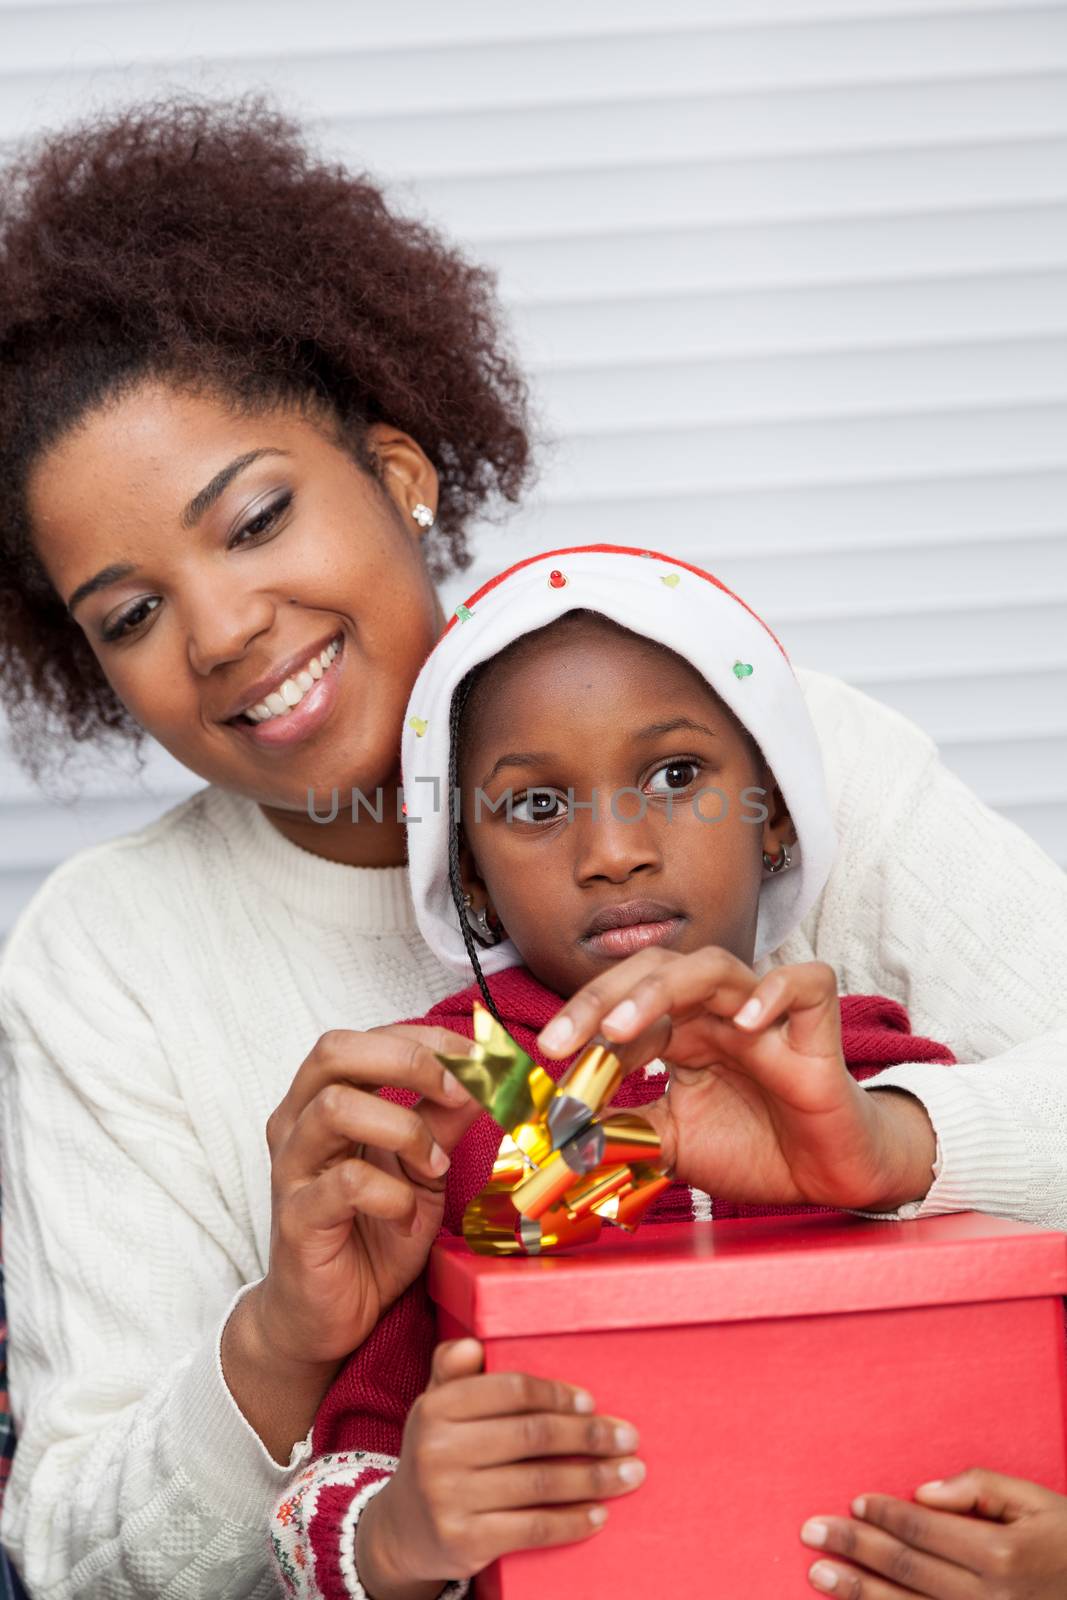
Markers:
(635, 771)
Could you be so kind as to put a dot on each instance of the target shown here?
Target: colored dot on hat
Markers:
(742, 669)
(556, 579)
(419, 726)
(671, 579)
(464, 613)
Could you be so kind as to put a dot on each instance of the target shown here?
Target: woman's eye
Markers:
(262, 523)
(537, 805)
(131, 618)
(675, 775)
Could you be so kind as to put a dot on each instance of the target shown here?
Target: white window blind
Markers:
(791, 282)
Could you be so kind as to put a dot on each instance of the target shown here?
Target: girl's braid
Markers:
(459, 700)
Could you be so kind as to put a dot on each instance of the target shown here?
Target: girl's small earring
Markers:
(778, 863)
(479, 923)
(423, 515)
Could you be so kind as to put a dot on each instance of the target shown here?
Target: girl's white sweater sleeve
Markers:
(313, 1530)
(136, 1474)
(948, 907)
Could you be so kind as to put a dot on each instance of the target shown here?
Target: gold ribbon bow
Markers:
(562, 1169)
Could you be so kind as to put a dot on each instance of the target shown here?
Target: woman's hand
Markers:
(761, 1108)
(478, 1476)
(978, 1536)
(357, 1191)
(357, 1184)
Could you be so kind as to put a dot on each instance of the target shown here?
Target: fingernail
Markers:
(748, 1014)
(622, 1017)
(935, 1483)
(557, 1033)
(859, 1506)
(815, 1533)
(453, 1088)
(823, 1577)
(439, 1162)
(597, 1516)
(583, 1401)
(631, 1472)
(625, 1437)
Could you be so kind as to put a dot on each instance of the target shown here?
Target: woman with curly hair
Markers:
(236, 391)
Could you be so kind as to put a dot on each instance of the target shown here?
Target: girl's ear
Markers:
(474, 885)
(778, 828)
(472, 880)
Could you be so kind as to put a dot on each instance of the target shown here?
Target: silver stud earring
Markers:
(423, 515)
(778, 863)
(478, 922)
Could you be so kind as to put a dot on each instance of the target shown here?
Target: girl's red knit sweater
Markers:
(366, 1407)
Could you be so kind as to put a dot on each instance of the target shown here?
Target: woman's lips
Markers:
(616, 942)
(305, 718)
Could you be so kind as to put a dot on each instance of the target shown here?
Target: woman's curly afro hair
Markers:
(207, 244)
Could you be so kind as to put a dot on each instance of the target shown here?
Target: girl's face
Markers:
(587, 706)
(209, 557)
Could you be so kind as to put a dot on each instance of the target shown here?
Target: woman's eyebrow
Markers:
(202, 502)
(198, 507)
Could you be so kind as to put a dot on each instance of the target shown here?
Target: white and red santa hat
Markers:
(660, 598)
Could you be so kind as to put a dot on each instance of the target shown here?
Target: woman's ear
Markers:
(404, 470)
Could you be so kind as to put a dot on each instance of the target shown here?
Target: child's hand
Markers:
(477, 1475)
(985, 1537)
(761, 1106)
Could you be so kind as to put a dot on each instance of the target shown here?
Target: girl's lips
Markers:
(617, 942)
(305, 718)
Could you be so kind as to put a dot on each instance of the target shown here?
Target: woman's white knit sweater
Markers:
(160, 992)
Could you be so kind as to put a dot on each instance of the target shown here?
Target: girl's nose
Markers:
(616, 838)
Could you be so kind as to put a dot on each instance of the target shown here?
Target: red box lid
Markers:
(673, 1273)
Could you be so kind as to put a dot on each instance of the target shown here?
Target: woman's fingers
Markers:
(341, 1116)
(653, 983)
(402, 1058)
(550, 1483)
(896, 1538)
(848, 1583)
(337, 1194)
(890, 1566)
(989, 1494)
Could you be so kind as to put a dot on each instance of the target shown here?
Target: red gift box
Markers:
(775, 1368)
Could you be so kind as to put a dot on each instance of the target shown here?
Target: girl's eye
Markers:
(537, 805)
(131, 618)
(262, 523)
(678, 775)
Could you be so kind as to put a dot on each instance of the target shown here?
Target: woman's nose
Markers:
(221, 620)
(615, 837)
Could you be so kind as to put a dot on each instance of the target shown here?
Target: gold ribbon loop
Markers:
(561, 1170)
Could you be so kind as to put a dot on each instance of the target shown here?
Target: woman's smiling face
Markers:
(209, 556)
(582, 706)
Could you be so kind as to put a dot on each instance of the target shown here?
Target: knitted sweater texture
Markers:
(160, 992)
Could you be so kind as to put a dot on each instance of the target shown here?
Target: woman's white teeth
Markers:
(292, 691)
